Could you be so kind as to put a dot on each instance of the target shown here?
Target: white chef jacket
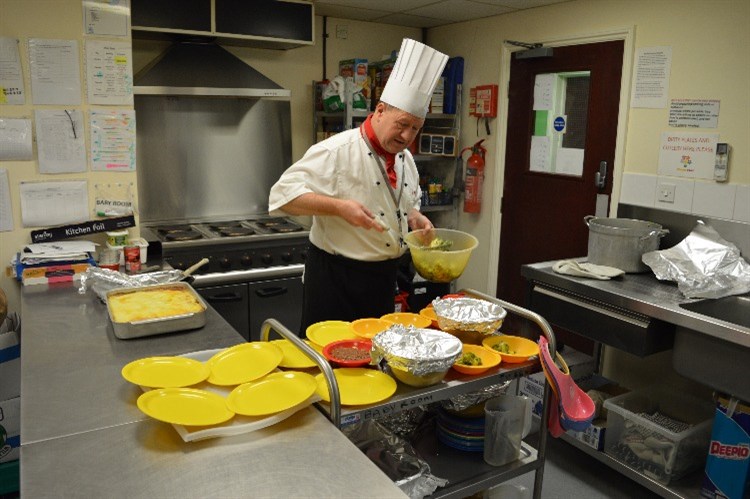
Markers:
(342, 167)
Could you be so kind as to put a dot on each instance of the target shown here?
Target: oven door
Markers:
(232, 303)
(280, 299)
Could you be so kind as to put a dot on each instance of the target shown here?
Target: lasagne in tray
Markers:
(153, 304)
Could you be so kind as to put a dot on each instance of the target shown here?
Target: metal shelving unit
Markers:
(347, 116)
(466, 471)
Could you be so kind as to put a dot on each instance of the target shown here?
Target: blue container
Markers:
(454, 76)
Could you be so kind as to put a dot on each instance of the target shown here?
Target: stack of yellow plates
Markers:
(185, 406)
(323, 333)
(165, 372)
(244, 362)
(272, 394)
(294, 358)
(358, 386)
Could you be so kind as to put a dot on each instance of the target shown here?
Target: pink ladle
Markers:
(575, 404)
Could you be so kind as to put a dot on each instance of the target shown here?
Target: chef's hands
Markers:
(418, 221)
(358, 215)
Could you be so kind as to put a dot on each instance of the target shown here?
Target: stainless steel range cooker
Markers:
(254, 268)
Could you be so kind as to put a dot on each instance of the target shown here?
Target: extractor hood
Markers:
(203, 69)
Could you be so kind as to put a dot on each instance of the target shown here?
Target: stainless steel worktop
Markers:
(83, 436)
(644, 294)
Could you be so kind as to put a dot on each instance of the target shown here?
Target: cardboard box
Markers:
(356, 69)
(10, 365)
(727, 472)
(10, 429)
(593, 436)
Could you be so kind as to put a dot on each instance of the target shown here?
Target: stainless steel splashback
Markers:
(204, 158)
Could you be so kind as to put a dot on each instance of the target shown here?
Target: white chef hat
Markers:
(414, 77)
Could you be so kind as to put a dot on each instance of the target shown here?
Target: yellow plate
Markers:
(244, 362)
(271, 394)
(294, 358)
(323, 333)
(358, 386)
(165, 372)
(185, 406)
(408, 319)
(523, 347)
(369, 327)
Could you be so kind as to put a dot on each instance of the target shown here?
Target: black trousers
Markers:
(339, 288)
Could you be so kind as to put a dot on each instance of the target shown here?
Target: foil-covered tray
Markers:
(468, 314)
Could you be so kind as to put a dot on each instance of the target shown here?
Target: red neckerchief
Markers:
(390, 159)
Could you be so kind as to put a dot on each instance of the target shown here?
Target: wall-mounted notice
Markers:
(6, 213)
(15, 139)
(651, 77)
(694, 113)
(544, 86)
(106, 17)
(60, 142)
(688, 155)
(109, 72)
(539, 158)
(53, 203)
(55, 72)
(113, 140)
(11, 76)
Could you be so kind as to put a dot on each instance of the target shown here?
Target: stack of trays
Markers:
(465, 434)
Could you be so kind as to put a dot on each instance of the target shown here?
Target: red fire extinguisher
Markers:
(474, 178)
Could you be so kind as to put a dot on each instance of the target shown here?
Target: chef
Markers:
(361, 188)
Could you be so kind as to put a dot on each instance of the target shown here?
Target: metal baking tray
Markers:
(149, 327)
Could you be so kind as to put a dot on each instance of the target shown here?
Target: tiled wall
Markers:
(696, 197)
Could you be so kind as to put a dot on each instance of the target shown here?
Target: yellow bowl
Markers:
(411, 379)
(369, 327)
(429, 312)
(325, 332)
(436, 265)
(520, 347)
(408, 319)
(490, 359)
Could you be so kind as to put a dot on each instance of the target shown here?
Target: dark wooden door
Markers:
(545, 200)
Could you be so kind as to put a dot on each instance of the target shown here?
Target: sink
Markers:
(734, 309)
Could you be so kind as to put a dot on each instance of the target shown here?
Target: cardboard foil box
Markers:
(10, 429)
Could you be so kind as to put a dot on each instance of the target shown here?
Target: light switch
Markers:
(342, 31)
(666, 193)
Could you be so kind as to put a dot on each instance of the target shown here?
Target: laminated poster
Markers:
(60, 141)
(109, 72)
(113, 140)
(55, 72)
(11, 76)
(53, 203)
(106, 17)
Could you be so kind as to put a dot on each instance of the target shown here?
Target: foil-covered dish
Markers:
(463, 401)
(416, 357)
(102, 280)
(468, 314)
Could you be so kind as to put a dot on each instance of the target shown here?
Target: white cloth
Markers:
(341, 167)
(414, 77)
(584, 269)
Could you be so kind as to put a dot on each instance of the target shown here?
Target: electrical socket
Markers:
(666, 193)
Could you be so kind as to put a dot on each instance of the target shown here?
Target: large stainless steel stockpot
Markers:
(620, 242)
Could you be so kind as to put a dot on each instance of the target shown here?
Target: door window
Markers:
(561, 104)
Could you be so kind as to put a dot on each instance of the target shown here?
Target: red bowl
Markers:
(333, 352)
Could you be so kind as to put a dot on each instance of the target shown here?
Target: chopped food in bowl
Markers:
(476, 359)
(348, 353)
(440, 255)
(512, 349)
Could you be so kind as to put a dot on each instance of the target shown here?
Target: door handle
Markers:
(269, 292)
(600, 179)
(224, 297)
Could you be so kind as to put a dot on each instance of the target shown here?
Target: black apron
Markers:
(339, 288)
